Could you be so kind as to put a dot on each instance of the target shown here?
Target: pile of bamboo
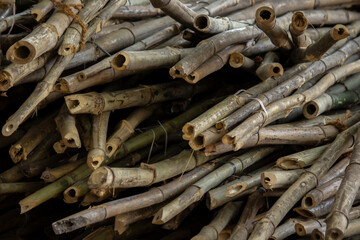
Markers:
(168, 119)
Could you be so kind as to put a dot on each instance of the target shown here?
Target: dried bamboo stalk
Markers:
(269, 67)
(238, 60)
(137, 12)
(153, 196)
(76, 191)
(59, 147)
(65, 124)
(140, 96)
(21, 187)
(127, 128)
(246, 221)
(197, 190)
(74, 36)
(222, 218)
(337, 221)
(279, 179)
(43, 38)
(97, 153)
(130, 146)
(299, 24)
(40, 10)
(51, 175)
(32, 138)
(307, 181)
(285, 230)
(265, 19)
(306, 227)
(209, 25)
(215, 63)
(237, 140)
(22, 17)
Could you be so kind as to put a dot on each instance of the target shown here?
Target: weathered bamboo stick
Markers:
(153, 196)
(337, 220)
(130, 146)
(246, 221)
(265, 19)
(76, 191)
(238, 60)
(127, 128)
(215, 63)
(306, 227)
(43, 38)
(209, 25)
(222, 218)
(40, 10)
(197, 190)
(237, 140)
(97, 153)
(51, 175)
(32, 138)
(279, 179)
(140, 96)
(74, 36)
(285, 230)
(65, 124)
(59, 147)
(299, 24)
(300, 159)
(137, 11)
(269, 67)
(308, 180)
(21, 187)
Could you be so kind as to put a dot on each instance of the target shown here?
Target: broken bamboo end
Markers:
(268, 180)
(201, 22)
(17, 153)
(6, 81)
(21, 52)
(100, 178)
(299, 23)
(265, 17)
(120, 61)
(236, 60)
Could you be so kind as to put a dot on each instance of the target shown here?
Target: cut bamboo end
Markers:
(236, 189)
(339, 32)
(71, 195)
(236, 60)
(334, 234)
(158, 217)
(304, 212)
(110, 148)
(9, 128)
(189, 131)
(101, 177)
(336, 224)
(80, 103)
(268, 180)
(309, 201)
(96, 157)
(220, 126)
(94, 163)
(66, 49)
(59, 147)
(17, 153)
(277, 70)
(197, 143)
(177, 72)
(201, 22)
(120, 61)
(21, 52)
(61, 86)
(227, 139)
(72, 140)
(81, 76)
(316, 234)
(289, 163)
(311, 110)
(299, 23)
(6, 81)
(265, 17)
(193, 77)
(300, 230)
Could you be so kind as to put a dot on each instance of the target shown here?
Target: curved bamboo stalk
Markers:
(279, 179)
(237, 137)
(222, 218)
(153, 196)
(337, 221)
(51, 175)
(76, 191)
(246, 221)
(32, 138)
(65, 124)
(140, 96)
(285, 230)
(97, 153)
(197, 190)
(127, 128)
(43, 38)
(307, 181)
(214, 63)
(129, 146)
(269, 67)
(265, 19)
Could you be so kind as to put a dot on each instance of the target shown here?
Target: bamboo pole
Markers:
(76, 191)
(130, 146)
(246, 221)
(265, 19)
(279, 179)
(337, 221)
(127, 127)
(137, 12)
(153, 196)
(222, 218)
(51, 175)
(285, 230)
(269, 67)
(140, 96)
(209, 25)
(307, 181)
(65, 124)
(237, 137)
(32, 138)
(97, 153)
(21, 187)
(197, 190)
(45, 37)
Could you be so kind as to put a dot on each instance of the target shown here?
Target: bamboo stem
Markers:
(22, 17)
(97, 153)
(238, 60)
(137, 11)
(65, 124)
(21, 187)
(306, 227)
(269, 67)
(76, 191)
(51, 175)
(209, 25)
(279, 179)
(285, 230)
(40, 10)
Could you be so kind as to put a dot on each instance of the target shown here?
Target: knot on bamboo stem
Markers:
(65, 8)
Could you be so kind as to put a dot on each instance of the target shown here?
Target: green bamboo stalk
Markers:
(196, 191)
(21, 187)
(131, 145)
(307, 181)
